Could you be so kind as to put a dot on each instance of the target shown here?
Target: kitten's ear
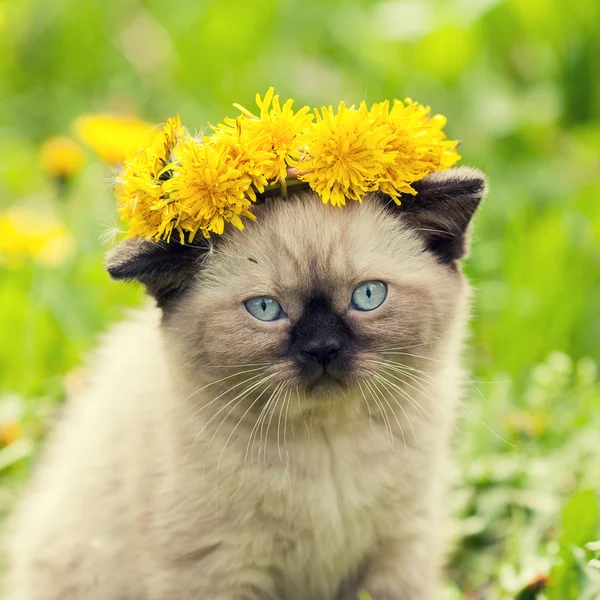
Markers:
(442, 210)
(166, 269)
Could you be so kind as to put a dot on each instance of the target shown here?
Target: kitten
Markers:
(278, 426)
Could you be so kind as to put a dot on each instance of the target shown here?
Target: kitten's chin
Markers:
(327, 387)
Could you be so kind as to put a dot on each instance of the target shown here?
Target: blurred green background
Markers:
(520, 85)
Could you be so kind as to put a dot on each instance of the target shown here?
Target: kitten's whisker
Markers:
(497, 435)
(424, 379)
(240, 420)
(423, 383)
(287, 408)
(429, 374)
(252, 437)
(388, 425)
(466, 409)
(445, 233)
(301, 412)
(241, 397)
(182, 350)
(483, 396)
(396, 416)
(413, 403)
(287, 391)
(399, 370)
(428, 396)
(219, 381)
(368, 406)
(410, 424)
(249, 439)
(344, 405)
(207, 405)
(376, 403)
(422, 411)
(185, 365)
(224, 407)
(408, 347)
(390, 389)
(419, 407)
(286, 403)
(270, 404)
(412, 355)
(281, 390)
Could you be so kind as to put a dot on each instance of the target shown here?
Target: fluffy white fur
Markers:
(151, 490)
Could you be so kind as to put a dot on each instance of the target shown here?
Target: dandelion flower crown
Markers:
(183, 184)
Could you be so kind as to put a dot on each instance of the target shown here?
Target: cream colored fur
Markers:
(157, 485)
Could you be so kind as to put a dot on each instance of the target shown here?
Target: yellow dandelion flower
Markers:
(344, 154)
(140, 189)
(205, 192)
(278, 127)
(33, 233)
(61, 157)
(11, 417)
(113, 138)
(246, 151)
(9, 433)
(416, 142)
(179, 184)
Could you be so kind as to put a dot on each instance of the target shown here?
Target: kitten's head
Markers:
(311, 295)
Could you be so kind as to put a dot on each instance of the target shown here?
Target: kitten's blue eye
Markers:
(264, 309)
(369, 295)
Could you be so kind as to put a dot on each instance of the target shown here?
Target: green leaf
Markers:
(579, 524)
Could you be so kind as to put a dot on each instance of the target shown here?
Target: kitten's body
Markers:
(162, 483)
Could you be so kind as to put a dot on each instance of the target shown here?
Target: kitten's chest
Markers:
(329, 506)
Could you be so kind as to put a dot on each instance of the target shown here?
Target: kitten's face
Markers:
(341, 289)
(312, 298)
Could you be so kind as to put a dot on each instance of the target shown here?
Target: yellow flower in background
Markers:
(206, 191)
(142, 200)
(11, 416)
(532, 423)
(9, 433)
(417, 143)
(26, 232)
(345, 154)
(61, 157)
(113, 138)
(278, 127)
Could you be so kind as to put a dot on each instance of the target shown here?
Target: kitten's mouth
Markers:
(326, 384)
(328, 375)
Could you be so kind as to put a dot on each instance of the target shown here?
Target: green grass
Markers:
(517, 80)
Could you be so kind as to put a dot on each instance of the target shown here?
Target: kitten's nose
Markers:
(322, 352)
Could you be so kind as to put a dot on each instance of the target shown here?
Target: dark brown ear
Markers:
(443, 208)
(167, 270)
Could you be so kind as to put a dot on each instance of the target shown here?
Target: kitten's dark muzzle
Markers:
(314, 374)
(324, 360)
(321, 344)
(322, 351)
